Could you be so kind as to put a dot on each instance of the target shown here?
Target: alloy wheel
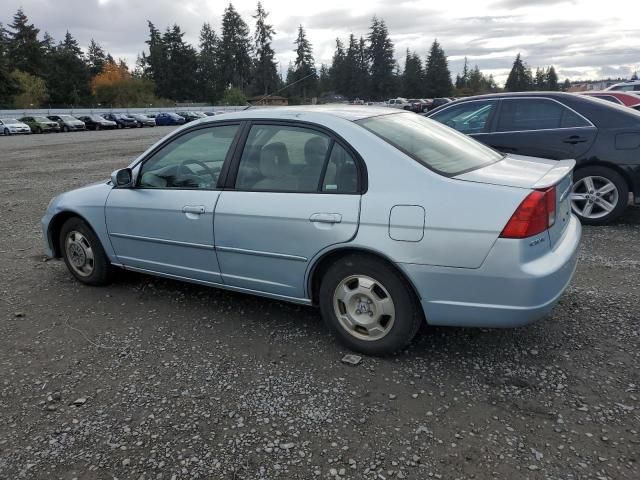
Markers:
(364, 307)
(594, 197)
(79, 253)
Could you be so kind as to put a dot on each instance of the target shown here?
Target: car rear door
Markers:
(164, 224)
(539, 127)
(292, 191)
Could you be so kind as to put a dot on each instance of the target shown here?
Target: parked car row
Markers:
(106, 121)
(417, 105)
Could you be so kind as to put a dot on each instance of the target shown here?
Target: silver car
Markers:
(382, 218)
(11, 126)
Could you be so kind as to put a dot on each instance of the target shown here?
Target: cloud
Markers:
(578, 37)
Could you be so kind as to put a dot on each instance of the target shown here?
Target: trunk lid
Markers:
(532, 173)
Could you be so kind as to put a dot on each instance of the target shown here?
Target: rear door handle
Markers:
(573, 139)
(197, 209)
(325, 218)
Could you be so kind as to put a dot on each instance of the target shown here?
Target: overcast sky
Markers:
(584, 39)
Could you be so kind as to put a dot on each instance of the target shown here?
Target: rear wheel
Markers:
(7, 132)
(65, 129)
(368, 305)
(599, 195)
(38, 130)
(97, 127)
(83, 253)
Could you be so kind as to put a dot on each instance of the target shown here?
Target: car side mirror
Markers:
(122, 178)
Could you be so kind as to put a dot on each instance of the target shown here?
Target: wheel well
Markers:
(323, 264)
(613, 167)
(55, 225)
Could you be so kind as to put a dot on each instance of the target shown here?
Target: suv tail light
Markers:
(535, 214)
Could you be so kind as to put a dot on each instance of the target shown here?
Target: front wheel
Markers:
(65, 129)
(7, 132)
(599, 195)
(83, 253)
(38, 130)
(369, 305)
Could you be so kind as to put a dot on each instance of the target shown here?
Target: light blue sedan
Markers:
(384, 219)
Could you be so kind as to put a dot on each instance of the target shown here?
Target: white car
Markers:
(631, 86)
(11, 126)
(399, 102)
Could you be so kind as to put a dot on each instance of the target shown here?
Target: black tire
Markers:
(38, 130)
(408, 314)
(101, 270)
(612, 176)
(97, 127)
(65, 129)
(7, 132)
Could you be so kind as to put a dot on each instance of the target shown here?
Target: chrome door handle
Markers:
(325, 218)
(197, 209)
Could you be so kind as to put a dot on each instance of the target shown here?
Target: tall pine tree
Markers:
(520, 78)
(412, 80)
(552, 79)
(67, 74)
(304, 69)
(338, 70)
(437, 77)
(235, 50)
(8, 84)
(96, 58)
(24, 50)
(381, 58)
(209, 71)
(265, 74)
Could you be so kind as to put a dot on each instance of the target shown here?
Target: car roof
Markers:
(347, 112)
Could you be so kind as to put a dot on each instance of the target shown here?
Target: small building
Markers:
(272, 101)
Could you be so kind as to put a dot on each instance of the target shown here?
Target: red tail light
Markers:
(535, 214)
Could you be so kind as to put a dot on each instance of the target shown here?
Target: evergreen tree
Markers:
(155, 63)
(235, 49)
(304, 71)
(67, 74)
(362, 79)
(325, 84)
(182, 62)
(265, 74)
(519, 79)
(634, 77)
(412, 80)
(382, 62)
(24, 50)
(437, 77)
(552, 79)
(540, 80)
(462, 81)
(566, 85)
(209, 72)
(338, 70)
(96, 58)
(8, 84)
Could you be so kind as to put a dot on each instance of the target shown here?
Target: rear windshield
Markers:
(434, 145)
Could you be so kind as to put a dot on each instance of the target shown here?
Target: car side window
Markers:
(282, 158)
(341, 175)
(536, 114)
(468, 117)
(191, 161)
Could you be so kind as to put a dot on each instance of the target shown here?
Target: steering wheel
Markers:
(184, 171)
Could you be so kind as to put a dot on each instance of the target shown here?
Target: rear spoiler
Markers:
(556, 174)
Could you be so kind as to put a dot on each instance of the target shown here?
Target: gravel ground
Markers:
(154, 379)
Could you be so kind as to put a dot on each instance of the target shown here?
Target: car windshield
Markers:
(434, 145)
(9, 121)
(67, 118)
(96, 118)
(41, 119)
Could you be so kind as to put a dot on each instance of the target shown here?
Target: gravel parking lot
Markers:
(152, 378)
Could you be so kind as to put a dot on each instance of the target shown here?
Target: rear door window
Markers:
(527, 114)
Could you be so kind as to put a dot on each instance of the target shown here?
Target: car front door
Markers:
(164, 224)
(292, 191)
(540, 127)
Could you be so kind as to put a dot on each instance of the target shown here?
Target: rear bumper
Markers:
(506, 291)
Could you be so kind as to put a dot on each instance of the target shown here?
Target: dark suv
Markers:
(602, 137)
(122, 120)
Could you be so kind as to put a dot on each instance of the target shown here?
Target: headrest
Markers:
(274, 160)
(315, 150)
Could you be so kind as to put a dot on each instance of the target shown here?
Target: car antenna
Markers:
(277, 91)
